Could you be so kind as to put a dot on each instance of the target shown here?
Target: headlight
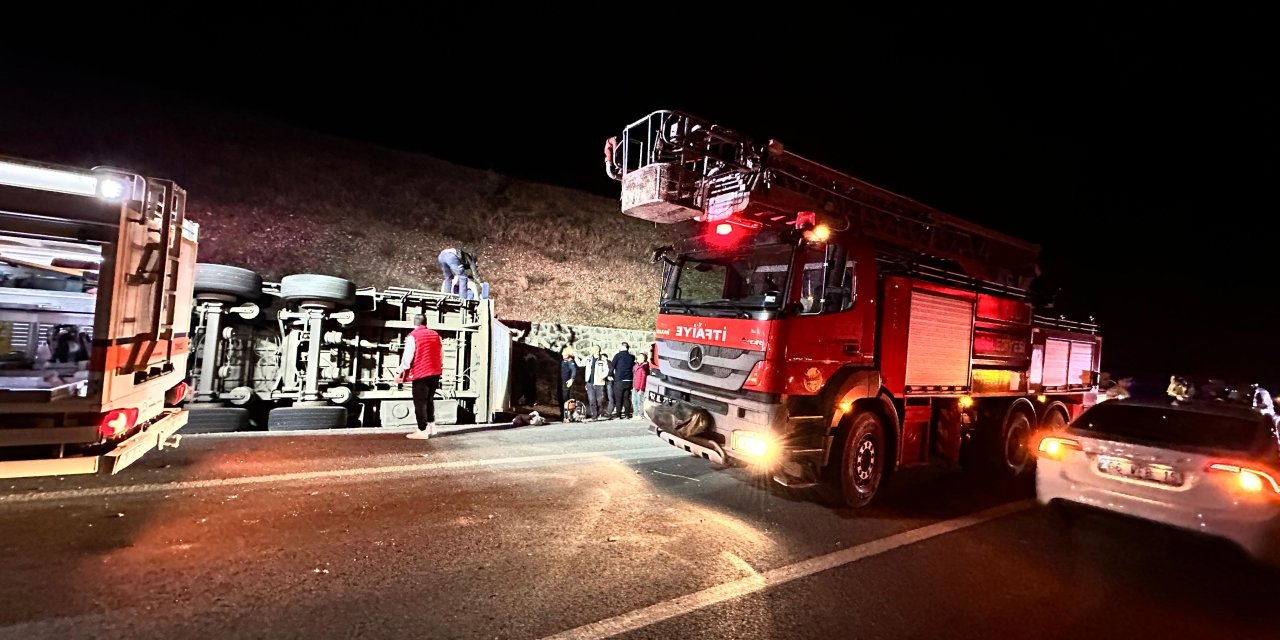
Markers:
(112, 189)
(757, 445)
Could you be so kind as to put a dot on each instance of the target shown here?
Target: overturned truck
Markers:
(315, 352)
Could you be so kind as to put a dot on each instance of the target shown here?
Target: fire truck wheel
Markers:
(306, 418)
(1012, 455)
(855, 478)
(221, 279)
(216, 420)
(1054, 420)
(313, 287)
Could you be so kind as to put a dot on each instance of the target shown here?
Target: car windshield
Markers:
(755, 277)
(1175, 426)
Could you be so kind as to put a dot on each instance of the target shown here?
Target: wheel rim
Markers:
(864, 462)
(1015, 444)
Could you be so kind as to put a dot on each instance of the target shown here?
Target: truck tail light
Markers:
(117, 421)
(1053, 447)
(178, 393)
(1249, 480)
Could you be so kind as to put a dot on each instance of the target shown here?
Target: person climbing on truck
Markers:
(459, 268)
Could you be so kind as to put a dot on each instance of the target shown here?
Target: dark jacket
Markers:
(568, 370)
(623, 362)
(470, 264)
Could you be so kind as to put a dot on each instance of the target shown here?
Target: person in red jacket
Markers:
(422, 365)
(639, 377)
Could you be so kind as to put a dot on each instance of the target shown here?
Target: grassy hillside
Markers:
(282, 200)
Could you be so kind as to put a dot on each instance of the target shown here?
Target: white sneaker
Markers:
(431, 428)
(418, 435)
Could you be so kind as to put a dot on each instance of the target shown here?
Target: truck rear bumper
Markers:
(155, 436)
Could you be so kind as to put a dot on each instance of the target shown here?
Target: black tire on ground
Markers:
(1054, 420)
(853, 476)
(306, 418)
(1010, 454)
(225, 280)
(1062, 517)
(217, 420)
(305, 287)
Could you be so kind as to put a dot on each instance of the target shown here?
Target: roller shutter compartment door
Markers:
(939, 341)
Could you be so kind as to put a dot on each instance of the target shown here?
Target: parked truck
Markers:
(315, 352)
(101, 301)
(96, 274)
(830, 331)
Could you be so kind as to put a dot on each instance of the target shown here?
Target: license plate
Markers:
(658, 398)
(1155, 473)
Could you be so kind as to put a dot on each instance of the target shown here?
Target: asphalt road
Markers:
(577, 531)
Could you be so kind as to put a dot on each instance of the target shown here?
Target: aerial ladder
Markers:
(676, 167)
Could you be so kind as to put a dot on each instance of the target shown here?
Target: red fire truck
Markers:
(831, 331)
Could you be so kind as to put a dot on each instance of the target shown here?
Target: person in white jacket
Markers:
(597, 377)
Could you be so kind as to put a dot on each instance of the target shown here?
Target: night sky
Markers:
(1138, 149)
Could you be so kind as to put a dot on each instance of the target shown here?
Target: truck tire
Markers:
(216, 420)
(1008, 450)
(1018, 432)
(858, 463)
(306, 418)
(1054, 420)
(313, 287)
(225, 280)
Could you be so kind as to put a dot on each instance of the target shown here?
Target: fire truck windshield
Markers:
(751, 277)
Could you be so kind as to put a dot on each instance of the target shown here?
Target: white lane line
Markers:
(625, 454)
(742, 565)
(666, 610)
(674, 475)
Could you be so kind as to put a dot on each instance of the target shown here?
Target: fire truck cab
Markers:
(830, 331)
(96, 273)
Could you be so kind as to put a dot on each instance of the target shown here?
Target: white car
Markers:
(1212, 468)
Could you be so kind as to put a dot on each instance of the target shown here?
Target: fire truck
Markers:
(831, 332)
(96, 275)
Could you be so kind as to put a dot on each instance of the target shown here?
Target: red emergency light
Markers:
(724, 229)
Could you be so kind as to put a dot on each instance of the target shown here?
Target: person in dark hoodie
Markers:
(622, 367)
(568, 372)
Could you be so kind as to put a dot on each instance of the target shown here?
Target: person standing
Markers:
(568, 373)
(622, 366)
(421, 365)
(639, 377)
(597, 377)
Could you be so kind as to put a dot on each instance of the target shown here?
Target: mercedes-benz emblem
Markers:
(695, 358)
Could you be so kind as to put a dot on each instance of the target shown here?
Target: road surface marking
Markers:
(742, 565)
(653, 614)
(673, 475)
(47, 496)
